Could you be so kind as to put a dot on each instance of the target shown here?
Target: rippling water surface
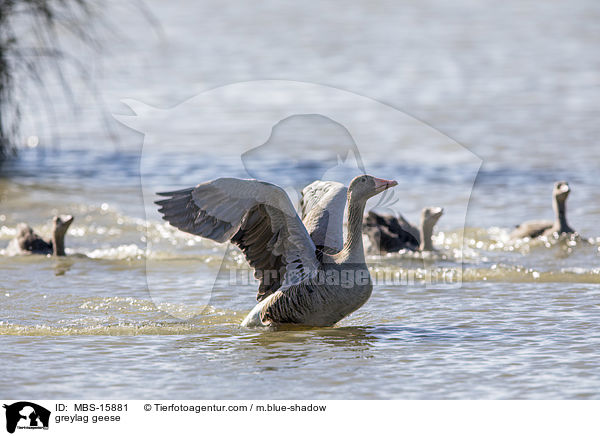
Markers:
(136, 308)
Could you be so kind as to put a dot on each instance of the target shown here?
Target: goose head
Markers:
(61, 223)
(431, 215)
(561, 191)
(364, 187)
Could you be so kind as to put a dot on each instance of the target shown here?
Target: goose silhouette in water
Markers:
(389, 234)
(299, 282)
(535, 228)
(29, 242)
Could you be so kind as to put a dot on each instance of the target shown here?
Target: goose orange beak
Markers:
(382, 184)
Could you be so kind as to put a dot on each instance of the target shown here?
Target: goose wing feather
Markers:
(256, 216)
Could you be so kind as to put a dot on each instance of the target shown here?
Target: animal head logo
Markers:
(26, 415)
(290, 134)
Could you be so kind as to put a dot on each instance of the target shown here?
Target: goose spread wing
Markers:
(256, 216)
(322, 206)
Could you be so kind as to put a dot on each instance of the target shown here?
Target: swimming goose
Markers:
(29, 242)
(535, 228)
(295, 286)
(389, 234)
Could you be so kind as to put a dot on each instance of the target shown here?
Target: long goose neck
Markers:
(560, 210)
(353, 251)
(425, 232)
(58, 243)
